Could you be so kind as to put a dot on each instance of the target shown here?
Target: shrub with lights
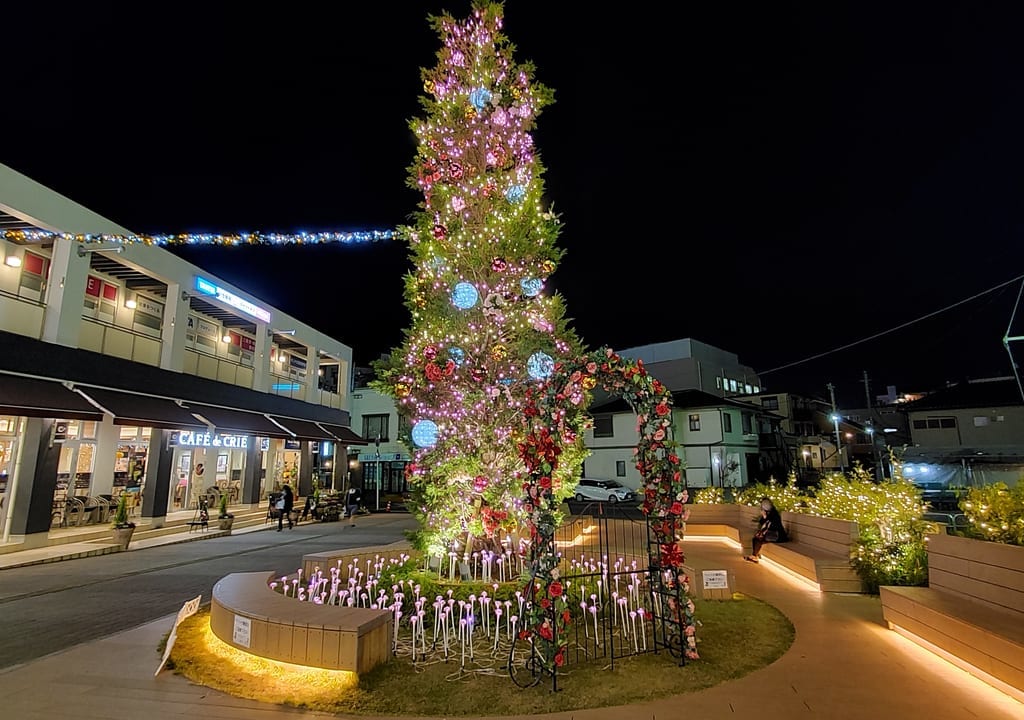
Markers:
(891, 546)
(995, 513)
(784, 497)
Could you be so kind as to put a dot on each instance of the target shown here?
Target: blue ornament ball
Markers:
(531, 286)
(464, 295)
(540, 365)
(458, 355)
(515, 194)
(480, 97)
(424, 433)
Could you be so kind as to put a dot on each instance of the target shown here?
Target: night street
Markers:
(53, 606)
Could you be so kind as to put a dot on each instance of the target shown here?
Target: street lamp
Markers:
(839, 446)
(377, 443)
(874, 452)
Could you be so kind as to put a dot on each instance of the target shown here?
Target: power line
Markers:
(890, 330)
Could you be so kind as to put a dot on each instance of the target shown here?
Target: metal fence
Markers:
(606, 571)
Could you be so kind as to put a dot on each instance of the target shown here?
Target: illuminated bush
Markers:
(709, 496)
(784, 497)
(996, 513)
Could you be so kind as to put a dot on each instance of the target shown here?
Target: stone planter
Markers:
(123, 536)
(225, 523)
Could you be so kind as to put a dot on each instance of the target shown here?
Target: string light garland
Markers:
(245, 238)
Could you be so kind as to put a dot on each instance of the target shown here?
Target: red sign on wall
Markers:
(92, 286)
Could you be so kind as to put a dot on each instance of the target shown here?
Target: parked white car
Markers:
(604, 490)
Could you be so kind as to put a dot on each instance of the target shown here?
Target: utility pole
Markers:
(879, 475)
(835, 421)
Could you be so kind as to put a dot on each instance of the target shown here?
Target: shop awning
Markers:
(304, 429)
(238, 422)
(345, 435)
(20, 395)
(141, 410)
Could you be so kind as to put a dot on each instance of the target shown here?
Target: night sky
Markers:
(776, 180)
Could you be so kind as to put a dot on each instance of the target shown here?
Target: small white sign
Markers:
(242, 633)
(716, 579)
(187, 610)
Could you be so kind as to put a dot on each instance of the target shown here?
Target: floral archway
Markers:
(554, 414)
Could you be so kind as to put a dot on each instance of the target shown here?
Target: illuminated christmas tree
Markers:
(485, 328)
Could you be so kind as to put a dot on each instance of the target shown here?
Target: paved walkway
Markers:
(844, 664)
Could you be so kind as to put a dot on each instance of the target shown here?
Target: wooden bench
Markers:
(972, 609)
(819, 548)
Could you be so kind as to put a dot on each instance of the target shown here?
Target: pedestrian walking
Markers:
(284, 507)
(352, 500)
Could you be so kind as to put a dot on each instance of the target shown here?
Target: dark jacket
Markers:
(289, 499)
(355, 495)
(771, 528)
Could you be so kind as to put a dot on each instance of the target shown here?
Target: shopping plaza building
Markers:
(125, 369)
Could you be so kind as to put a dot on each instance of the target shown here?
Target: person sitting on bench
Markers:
(769, 529)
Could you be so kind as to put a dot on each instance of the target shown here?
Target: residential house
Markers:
(719, 439)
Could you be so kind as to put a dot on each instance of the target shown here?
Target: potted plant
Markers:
(225, 519)
(123, 527)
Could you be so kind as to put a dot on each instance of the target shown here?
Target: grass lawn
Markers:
(734, 638)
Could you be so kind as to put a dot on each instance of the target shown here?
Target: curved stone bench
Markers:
(247, 614)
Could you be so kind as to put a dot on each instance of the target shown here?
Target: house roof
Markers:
(997, 392)
(682, 399)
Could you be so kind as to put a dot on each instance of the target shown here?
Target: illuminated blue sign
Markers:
(229, 298)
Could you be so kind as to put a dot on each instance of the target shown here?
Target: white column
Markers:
(261, 361)
(313, 373)
(107, 435)
(65, 294)
(175, 323)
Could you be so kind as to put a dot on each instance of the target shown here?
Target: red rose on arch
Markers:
(671, 555)
(545, 631)
(662, 409)
(555, 589)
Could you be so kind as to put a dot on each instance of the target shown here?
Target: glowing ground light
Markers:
(540, 365)
(424, 433)
(464, 295)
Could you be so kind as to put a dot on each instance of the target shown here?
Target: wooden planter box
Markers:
(972, 609)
